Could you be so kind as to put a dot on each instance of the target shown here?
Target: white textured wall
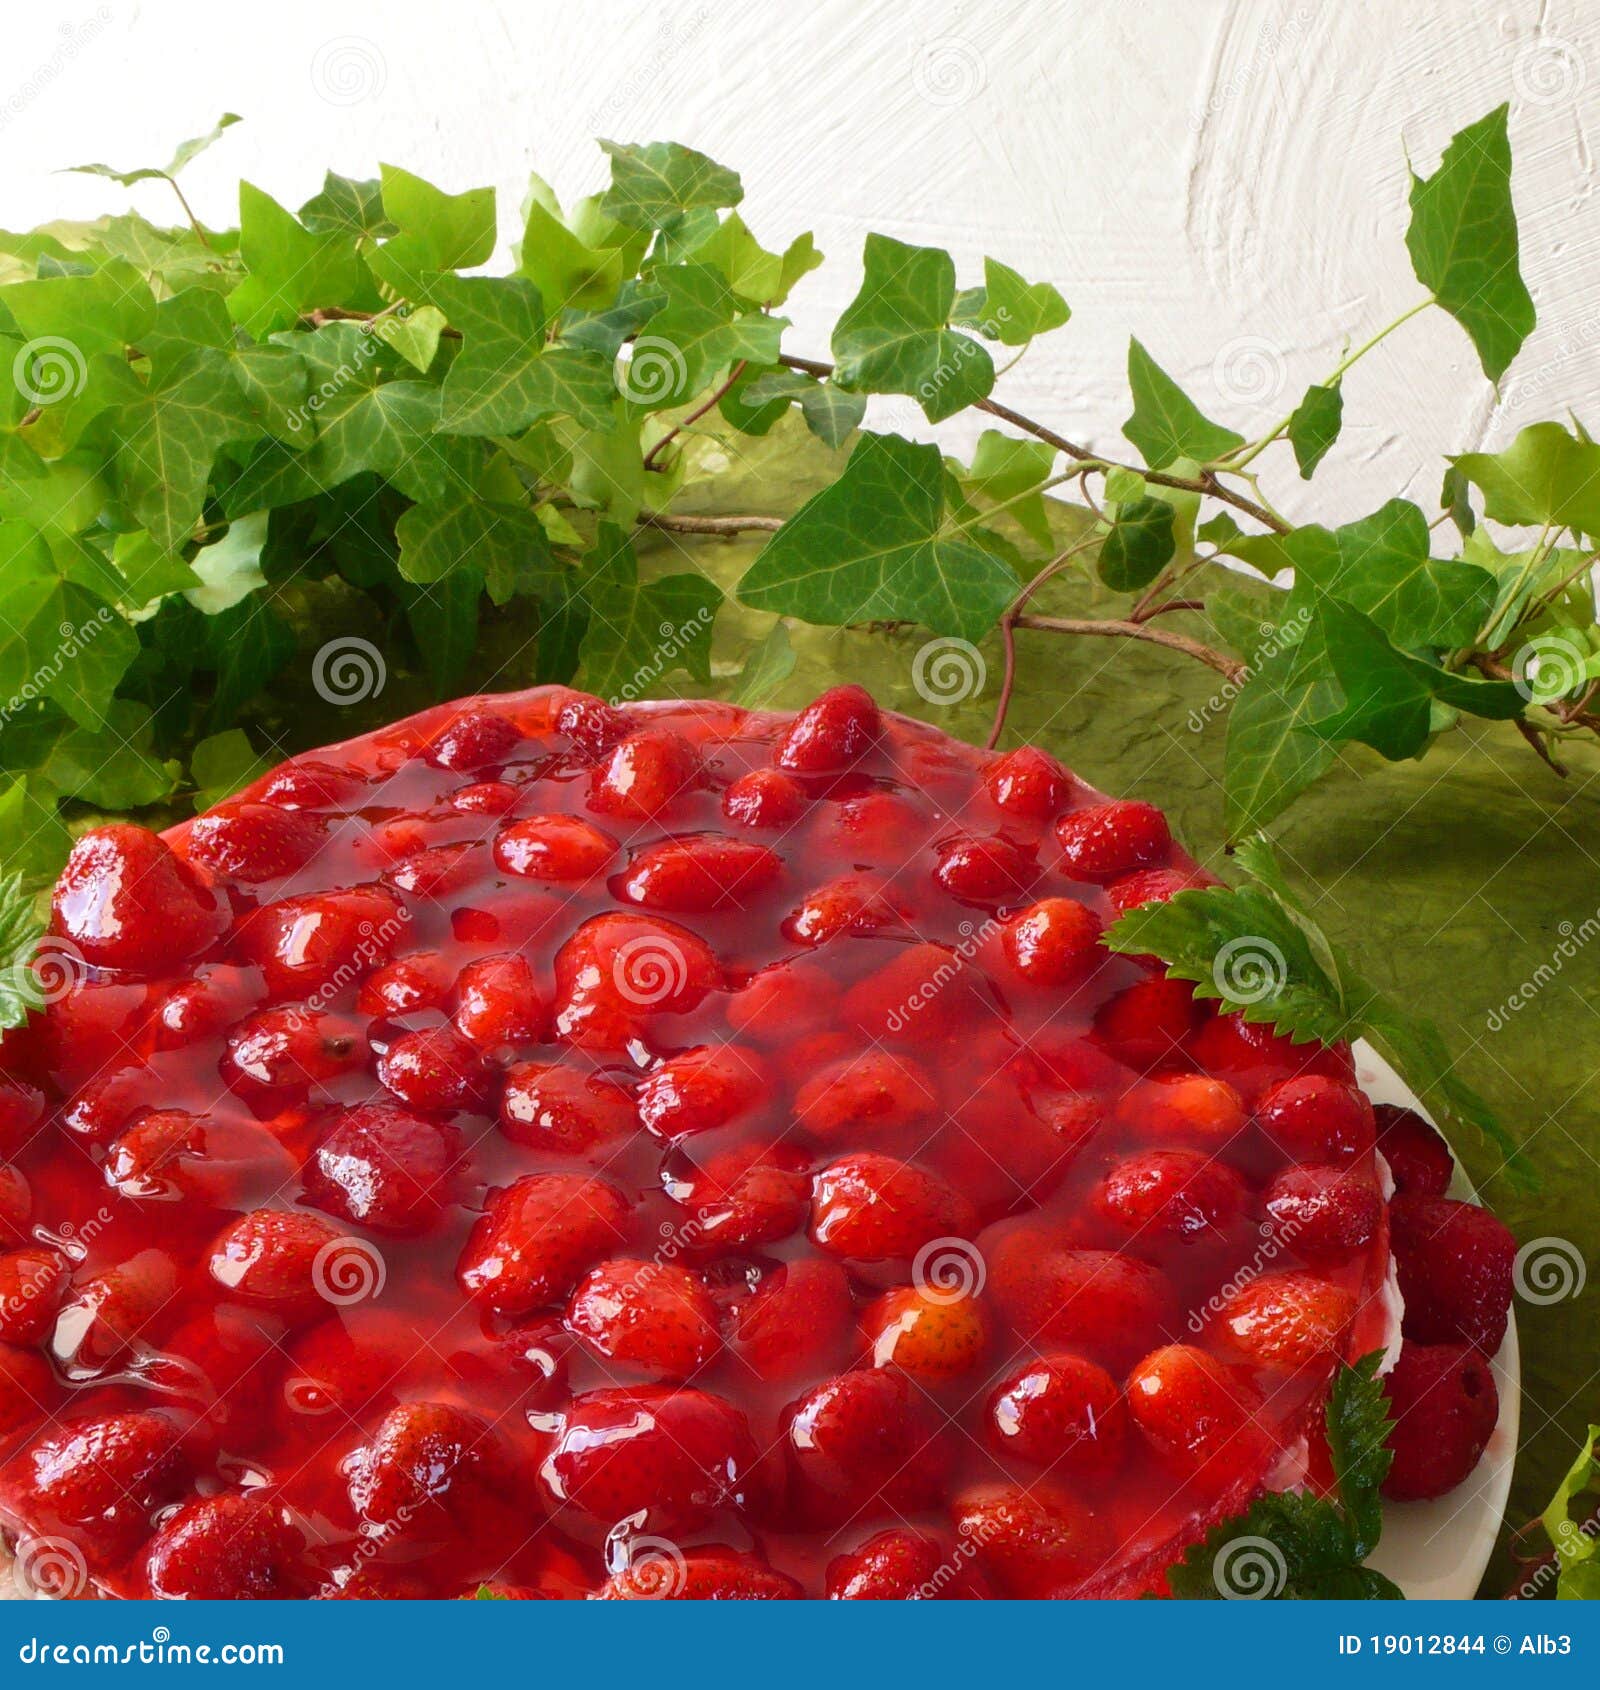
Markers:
(1224, 177)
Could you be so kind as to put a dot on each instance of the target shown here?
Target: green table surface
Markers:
(1455, 881)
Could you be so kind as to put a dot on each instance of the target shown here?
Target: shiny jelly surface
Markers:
(662, 1151)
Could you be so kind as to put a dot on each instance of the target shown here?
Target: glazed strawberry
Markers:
(92, 1028)
(1444, 1407)
(872, 1096)
(985, 870)
(98, 1481)
(27, 1389)
(618, 969)
(748, 1194)
(655, 1317)
(558, 848)
(169, 1155)
(1253, 1057)
(684, 876)
(1060, 1411)
(704, 1088)
(921, 993)
(1153, 886)
(108, 1310)
(934, 1334)
(671, 1457)
(1281, 1321)
(304, 944)
(476, 740)
(16, 1205)
(550, 1107)
(406, 986)
(1316, 1119)
(536, 1237)
(1111, 1305)
(1203, 1420)
(1455, 1262)
(424, 1456)
(217, 998)
(592, 725)
(1037, 1542)
(1106, 841)
(1417, 1155)
(109, 1103)
(289, 1050)
(1146, 1024)
(831, 732)
(229, 1547)
(277, 1259)
(21, 1110)
(1187, 1109)
(1324, 1213)
(1183, 1193)
(309, 784)
(782, 1002)
(1053, 944)
(764, 798)
(645, 776)
(800, 1318)
(360, 1355)
(127, 902)
(255, 842)
(868, 1208)
(221, 1367)
(33, 1281)
(699, 1575)
(499, 1002)
(852, 904)
(436, 1069)
(863, 1443)
(895, 1566)
(485, 798)
(384, 1168)
(1028, 783)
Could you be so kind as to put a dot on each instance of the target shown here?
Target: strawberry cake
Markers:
(680, 1151)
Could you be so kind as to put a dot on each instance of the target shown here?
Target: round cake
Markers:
(671, 1151)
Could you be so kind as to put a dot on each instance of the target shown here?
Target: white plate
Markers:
(1441, 1548)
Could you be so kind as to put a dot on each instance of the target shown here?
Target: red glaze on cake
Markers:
(666, 1151)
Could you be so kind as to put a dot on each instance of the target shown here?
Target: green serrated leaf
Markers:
(1358, 1423)
(21, 929)
(1166, 423)
(653, 186)
(1139, 546)
(1463, 241)
(1314, 426)
(1574, 1545)
(894, 336)
(877, 545)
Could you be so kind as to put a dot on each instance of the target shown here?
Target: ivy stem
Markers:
(716, 398)
(188, 211)
(1204, 483)
(1224, 665)
(710, 524)
(1253, 451)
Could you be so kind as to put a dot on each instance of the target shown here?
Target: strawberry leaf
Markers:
(21, 929)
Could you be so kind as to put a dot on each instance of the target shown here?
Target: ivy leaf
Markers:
(641, 631)
(894, 337)
(829, 412)
(223, 764)
(1463, 241)
(504, 544)
(443, 618)
(21, 929)
(1455, 496)
(765, 670)
(291, 269)
(438, 231)
(1544, 475)
(1007, 308)
(566, 272)
(698, 331)
(1004, 469)
(653, 186)
(758, 277)
(348, 207)
(1315, 426)
(112, 766)
(1381, 565)
(1166, 423)
(1258, 952)
(107, 311)
(186, 151)
(36, 841)
(607, 331)
(1139, 546)
(876, 545)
